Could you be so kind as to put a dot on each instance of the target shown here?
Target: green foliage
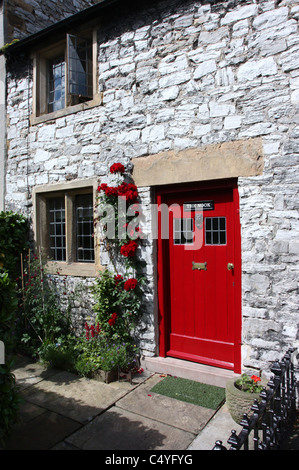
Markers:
(117, 310)
(61, 354)
(9, 401)
(9, 394)
(95, 351)
(249, 384)
(41, 320)
(14, 236)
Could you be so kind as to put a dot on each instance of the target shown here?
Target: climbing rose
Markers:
(128, 249)
(117, 168)
(130, 284)
(113, 318)
(118, 278)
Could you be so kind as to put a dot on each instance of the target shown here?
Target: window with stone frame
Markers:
(64, 226)
(65, 75)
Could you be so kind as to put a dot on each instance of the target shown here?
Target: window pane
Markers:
(56, 84)
(84, 228)
(182, 231)
(57, 229)
(80, 67)
(215, 231)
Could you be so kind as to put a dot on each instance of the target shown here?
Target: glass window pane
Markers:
(80, 67)
(84, 228)
(215, 231)
(57, 237)
(56, 84)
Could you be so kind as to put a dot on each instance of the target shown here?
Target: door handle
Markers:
(199, 266)
(230, 266)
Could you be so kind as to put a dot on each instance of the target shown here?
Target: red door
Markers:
(200, 259)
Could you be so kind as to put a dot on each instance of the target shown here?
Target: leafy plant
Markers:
(9, 393)
(14, 230)
(249, 384)
(41, 320)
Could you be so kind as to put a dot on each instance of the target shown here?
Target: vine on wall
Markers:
(118, 290)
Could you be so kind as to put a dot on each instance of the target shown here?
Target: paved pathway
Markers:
(64, 411)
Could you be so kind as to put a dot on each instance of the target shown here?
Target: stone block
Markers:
(256, 68)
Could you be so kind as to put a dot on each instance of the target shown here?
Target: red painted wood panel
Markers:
(199, 311)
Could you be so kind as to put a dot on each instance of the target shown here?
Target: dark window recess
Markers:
(57, 229)
(215, 231)
(182, 231)
(79, 56)
(84, 228)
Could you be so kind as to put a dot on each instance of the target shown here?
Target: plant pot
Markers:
(106, 376)
(239, 402)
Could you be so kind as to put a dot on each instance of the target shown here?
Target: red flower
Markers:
(117, 168)
(130, 284)
(98, 328)
(113, 318)
(255, 378)
(129, 191)
(128, 249)
(118, 278)
(111, 191)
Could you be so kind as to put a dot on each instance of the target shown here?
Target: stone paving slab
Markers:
(29, 373)
(119, 429)
(185, 416)
(75, 397)
(42, 432)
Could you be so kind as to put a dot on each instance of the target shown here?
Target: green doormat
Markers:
(208, 396)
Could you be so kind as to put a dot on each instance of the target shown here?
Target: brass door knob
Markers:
(230, 266)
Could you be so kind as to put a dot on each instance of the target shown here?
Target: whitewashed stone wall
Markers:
(181, 75)
(25, 17)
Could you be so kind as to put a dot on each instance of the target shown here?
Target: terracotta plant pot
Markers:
(239, 402)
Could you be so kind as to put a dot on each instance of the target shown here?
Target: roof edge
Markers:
(18, 45)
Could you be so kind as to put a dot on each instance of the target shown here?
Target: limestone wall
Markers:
(25, 17)
(178, 76)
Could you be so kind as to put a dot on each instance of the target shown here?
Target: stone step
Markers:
(188, 370)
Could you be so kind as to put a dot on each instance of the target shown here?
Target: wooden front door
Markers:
(199, 276)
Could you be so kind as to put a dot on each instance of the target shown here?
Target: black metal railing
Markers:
(268, 425)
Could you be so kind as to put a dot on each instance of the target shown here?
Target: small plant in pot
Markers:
(241, 394)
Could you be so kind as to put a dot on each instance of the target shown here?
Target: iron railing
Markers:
(272, 416)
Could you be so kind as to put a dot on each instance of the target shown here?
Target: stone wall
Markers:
(179, 75)
(25, 17)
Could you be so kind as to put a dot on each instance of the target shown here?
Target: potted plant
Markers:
(241, 394)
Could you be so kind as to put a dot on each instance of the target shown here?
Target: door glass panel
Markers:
(182, 231)
(215, 230)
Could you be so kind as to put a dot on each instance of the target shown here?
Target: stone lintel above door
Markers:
(240, 158)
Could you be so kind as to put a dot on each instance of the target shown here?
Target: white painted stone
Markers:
(220, 109)
(271, 18)
(153, 133)
(204, 69)
(41, 156)
(239, 14)
(232, 122)
(170, 93)
(253, 69)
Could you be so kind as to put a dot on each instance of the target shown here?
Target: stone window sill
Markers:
(72, 269)
(97, 101)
